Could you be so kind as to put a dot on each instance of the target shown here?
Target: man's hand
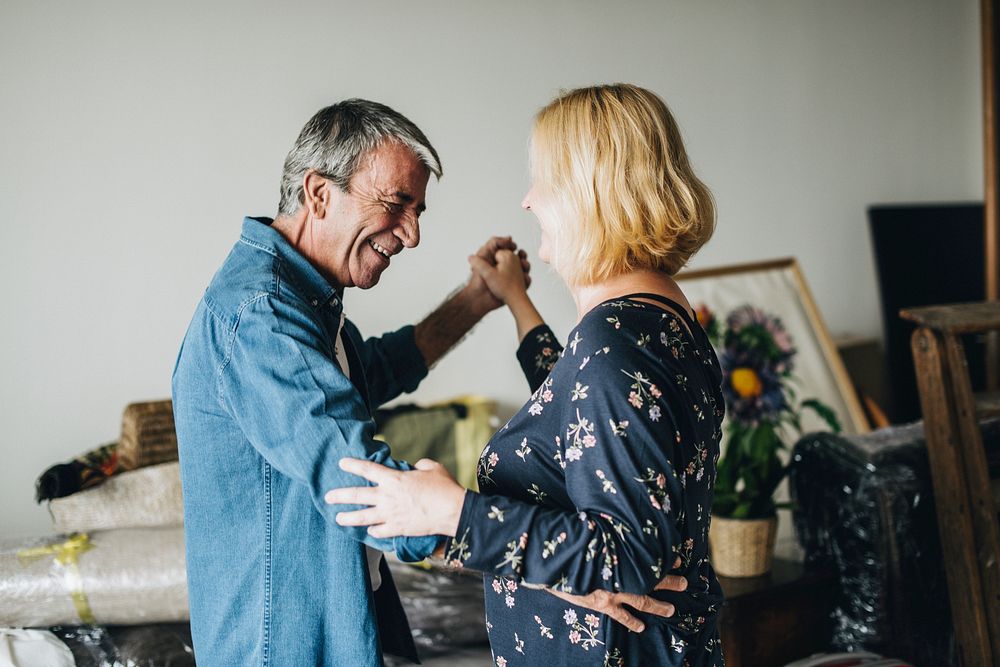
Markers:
(477, 288)
(613, 604)
(505, 277)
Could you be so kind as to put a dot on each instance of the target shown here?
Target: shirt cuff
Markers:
(416, 549)
(456, 549)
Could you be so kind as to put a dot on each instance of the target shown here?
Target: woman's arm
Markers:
(508, 282)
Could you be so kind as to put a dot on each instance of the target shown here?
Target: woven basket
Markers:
(742, 547)
(148, 435)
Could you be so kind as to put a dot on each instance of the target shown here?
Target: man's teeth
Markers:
(379, 248)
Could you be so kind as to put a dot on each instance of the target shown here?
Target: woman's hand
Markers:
(424, 501)
(613, 604)
(507, 279)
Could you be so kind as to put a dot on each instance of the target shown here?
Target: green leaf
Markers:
(824, 412)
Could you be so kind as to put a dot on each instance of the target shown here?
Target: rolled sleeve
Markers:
(393, 363)
(301, 413)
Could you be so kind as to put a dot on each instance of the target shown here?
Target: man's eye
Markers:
(393, 207)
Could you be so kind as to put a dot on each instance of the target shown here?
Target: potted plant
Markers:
(764, 414)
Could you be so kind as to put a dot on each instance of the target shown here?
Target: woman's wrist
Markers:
(526, 316)
(451, 518)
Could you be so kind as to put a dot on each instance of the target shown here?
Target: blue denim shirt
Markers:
(263, 415)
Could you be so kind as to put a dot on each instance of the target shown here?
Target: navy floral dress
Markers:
(601, 481)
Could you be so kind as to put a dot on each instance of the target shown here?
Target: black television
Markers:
(925, 254)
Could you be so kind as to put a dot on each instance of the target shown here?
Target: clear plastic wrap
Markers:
(445, 607)
(144, 498)
(127, 577)
(163, 645)
(864, 507)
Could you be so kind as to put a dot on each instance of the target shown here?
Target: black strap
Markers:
(674, 306)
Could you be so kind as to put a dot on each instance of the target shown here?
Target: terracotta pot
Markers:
(742, 547)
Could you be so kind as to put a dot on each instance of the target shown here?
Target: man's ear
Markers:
(316, 194)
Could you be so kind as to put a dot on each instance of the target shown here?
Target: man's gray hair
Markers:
(335, 140)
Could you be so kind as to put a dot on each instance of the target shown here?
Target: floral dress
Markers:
(601, 481)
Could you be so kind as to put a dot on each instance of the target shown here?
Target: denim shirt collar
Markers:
(259, 233)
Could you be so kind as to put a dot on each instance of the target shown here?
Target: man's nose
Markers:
(408, 232)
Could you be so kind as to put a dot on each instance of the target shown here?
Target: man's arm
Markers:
(452, 320)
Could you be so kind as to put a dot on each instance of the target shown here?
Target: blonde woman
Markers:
(603, 480)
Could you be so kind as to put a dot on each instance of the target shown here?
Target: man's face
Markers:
(376, 218)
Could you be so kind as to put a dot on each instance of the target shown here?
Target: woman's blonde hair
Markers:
(612, 159)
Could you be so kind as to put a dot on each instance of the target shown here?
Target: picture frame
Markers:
(779, 288)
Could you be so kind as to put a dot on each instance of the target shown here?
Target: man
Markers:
(273, 386)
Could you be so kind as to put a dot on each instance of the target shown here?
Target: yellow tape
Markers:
(65, 555)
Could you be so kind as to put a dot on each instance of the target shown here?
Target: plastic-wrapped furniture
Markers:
(864, 506)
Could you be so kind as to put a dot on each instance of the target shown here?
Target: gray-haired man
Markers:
(273, 386)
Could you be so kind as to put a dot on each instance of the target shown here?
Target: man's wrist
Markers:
(477, 306)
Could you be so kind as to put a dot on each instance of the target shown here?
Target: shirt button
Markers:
(315, 302)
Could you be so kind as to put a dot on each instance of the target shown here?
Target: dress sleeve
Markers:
(537, 354)
(621, 533)
(298, 409)
(393, 363)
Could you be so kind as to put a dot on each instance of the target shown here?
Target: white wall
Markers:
(133, 140)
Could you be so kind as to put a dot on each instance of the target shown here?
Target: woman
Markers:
(604, 478)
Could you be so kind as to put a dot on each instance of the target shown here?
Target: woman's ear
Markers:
(316, 193)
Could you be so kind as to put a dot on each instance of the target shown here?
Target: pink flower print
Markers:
(661, 481)
(509, 600)
(497, 587)
(547, 395)
(635, 399)
(494, 459)
(523, 542)
(654, 502)
(511, 584)
(589, 440)
(546, 351)
(605, 573)
(591, 620)
(569, 616)
(535, 409)
(574, 454)
(501, 661)
(574, 637)
(654, 391)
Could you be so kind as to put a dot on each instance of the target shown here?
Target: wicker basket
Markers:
(742, 547)
(148, 435)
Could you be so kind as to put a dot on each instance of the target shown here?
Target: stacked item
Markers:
(864, 507)
(112, 585)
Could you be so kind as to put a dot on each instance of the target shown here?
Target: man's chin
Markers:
(368, 282)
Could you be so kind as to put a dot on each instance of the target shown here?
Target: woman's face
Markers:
(541, 204)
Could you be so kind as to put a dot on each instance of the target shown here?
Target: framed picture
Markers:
(779, 289)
